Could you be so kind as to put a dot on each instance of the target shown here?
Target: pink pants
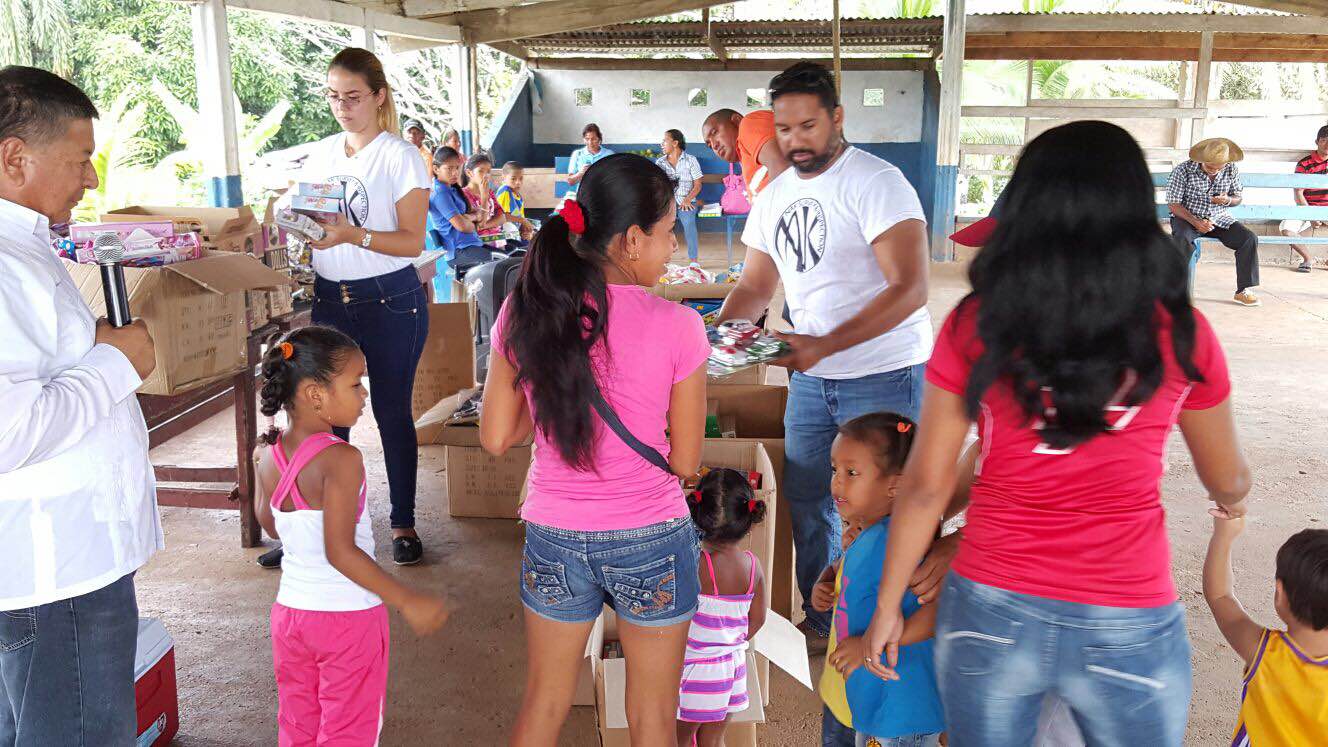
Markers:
(331, 675)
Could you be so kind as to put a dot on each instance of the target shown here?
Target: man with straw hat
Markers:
(1199, 193)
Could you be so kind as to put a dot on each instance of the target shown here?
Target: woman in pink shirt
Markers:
(603, 523)
(1077, 353)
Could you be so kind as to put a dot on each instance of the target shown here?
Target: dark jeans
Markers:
(1236, 237)
(388, 317)
(833, 733)
(67, 670)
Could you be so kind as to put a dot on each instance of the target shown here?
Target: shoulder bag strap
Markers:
(612, 420)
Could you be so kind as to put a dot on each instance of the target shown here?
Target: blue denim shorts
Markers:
(647, 575)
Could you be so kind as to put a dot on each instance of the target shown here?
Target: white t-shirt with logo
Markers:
(819, 232)
(375, 178)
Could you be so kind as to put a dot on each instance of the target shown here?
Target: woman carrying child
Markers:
(329, 624)
(1077, 353)
(714, 674)
(588, 361)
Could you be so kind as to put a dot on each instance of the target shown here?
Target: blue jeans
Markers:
(648, 575)
(687, 219)
(1124, 673)
(388, 317)
(833, 733)
(67, 670)
(816, 409)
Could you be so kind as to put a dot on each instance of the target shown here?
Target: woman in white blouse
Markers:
(366, 284)
(685, 173)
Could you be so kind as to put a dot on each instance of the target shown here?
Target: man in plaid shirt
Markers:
(1199, 193)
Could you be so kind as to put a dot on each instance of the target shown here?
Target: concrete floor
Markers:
(463, 686)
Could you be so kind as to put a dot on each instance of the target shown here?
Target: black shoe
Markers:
(271, 559)
(407, 550)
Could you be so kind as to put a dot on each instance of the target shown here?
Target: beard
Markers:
(818, 161)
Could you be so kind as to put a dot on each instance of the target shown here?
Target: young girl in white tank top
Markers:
(329, 624)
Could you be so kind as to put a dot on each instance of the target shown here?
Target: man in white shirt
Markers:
(845, 232)
(78, 512)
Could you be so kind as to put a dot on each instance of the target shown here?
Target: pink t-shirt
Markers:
(652, 344)
(1086, 524)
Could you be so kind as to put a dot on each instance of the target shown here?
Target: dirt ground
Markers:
(463, 686)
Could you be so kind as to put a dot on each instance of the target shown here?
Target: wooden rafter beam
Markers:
(559, 16)
(428, 8)
(513, 49)
(1194, 22)
(742, 64)
(1303, 7)
(1037, 40)
(1148, 53)
(715, 45)
(343, 14)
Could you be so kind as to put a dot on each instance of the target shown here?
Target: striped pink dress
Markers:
(714, 673)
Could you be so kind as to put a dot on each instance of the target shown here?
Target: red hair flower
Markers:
(575, 217)
(694, 496)
(752, 504)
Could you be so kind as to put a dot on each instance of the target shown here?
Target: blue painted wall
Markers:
(512, 140)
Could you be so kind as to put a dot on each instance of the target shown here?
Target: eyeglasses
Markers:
(350, 100)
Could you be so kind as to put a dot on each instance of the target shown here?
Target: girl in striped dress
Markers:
(731, 608)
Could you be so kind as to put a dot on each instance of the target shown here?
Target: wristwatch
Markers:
(364, 242)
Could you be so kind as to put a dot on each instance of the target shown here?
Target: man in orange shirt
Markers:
(748, 140)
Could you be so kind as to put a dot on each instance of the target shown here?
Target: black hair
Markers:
(445, 153)
(480, 157)
(677, 137)
(592, 127)
(35, 104)
(723, 506)
(1302, 567)
(890, 437)
(1323, 133)
(558, 305)
(1074, 283)
(512, 167)
(315, 353)
(806, 77)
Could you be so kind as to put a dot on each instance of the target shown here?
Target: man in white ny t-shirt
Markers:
(846, 234)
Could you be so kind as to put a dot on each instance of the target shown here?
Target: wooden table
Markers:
(229, 487)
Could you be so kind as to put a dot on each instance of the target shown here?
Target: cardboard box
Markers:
(685, 291)
(221, 229)
(758, 414)
(258, 310)
(778, 641)
(447, 365)
(195, 311)
(281, 301)
(483, 486)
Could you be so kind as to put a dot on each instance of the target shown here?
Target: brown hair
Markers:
(889, 436)
(365, 64)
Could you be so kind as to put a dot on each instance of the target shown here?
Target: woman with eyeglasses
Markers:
(366, 285)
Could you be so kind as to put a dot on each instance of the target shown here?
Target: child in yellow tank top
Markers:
(1285, 695)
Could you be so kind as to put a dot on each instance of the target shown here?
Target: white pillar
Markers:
(1202, 77)
(947, 135)
(464, 96)
(363, 36)
(216, 103)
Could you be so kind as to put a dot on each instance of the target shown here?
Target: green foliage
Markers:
(36, 33)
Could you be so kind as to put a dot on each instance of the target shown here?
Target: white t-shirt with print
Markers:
(819, 233)
(375, 178)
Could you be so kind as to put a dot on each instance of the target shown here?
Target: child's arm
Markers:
(920, 626)
(823, 592)
(262, 506)
(1240, 631)
(756, 616)
(343, 474)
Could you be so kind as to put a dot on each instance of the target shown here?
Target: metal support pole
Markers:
(947, 136)
(216, 103)
(363, 36)
(835, 33)
(465, 96)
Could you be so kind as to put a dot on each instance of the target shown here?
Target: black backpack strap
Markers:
(611, 419)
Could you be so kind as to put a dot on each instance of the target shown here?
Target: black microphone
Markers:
(108, 249)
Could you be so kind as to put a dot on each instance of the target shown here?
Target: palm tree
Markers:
(118, 160)
(36, 32)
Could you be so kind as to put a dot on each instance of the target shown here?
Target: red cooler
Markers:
(154, 685)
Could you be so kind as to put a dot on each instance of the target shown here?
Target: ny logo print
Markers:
(800, 233)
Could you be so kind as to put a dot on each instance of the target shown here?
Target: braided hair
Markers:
(312, 352)
(723, 506)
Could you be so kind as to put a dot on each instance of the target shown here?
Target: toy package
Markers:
(686, 275)
(314, 189)
(304, 227)
(730, 276)
(738, 344)
(141, 248)
(321, 209)
(708, 308)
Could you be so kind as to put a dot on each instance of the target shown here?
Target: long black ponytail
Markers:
(558, 306)
(1070, 285)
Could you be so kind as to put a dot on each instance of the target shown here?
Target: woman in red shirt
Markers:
(1076, 353)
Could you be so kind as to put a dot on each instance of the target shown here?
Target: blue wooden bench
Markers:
(713, 171)
(1246, 212)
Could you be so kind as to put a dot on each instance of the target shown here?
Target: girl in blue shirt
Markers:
(866, 461)
(452, 225)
